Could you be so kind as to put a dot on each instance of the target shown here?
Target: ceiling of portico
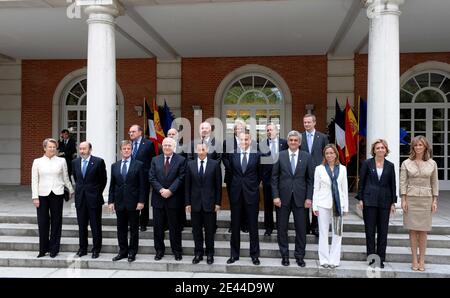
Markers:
(40, 29)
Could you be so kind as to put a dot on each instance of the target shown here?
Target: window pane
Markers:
(261, 122)
(422, 80)
(405, 113)
(445, 87)
(438, 138)
(438, 113)
(439, 161)
(230, 99)
(236, 89)
(407, 138)
(420, 114)
(274, 116)
(72, 126)
(259, 82)
(404, 149)
(244, 114)
(406, 125)
(83, 101)
(438, 125)
(438, 149)
(436, 79)
(441, 174)
(420, 126)
(249, 99)
(83, 115)
(71, 100)
(411, 86)
(405, 97)
(429, 96)
(247, 82)
(275, 98)
(77, 90)
(83, 126)
(72, 115)
(84, 84)
(82, 137)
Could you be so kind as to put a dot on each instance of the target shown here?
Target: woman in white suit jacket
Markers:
(330, 202)
(48, 178)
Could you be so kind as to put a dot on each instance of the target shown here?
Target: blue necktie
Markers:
(244, 162)
(310, 142)
(83, 168)
(202, 171)
(124, 169)
(135, 148)
(293, 163)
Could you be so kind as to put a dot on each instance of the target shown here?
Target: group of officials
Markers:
(297, 174)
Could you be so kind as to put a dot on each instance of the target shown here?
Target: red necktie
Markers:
(166, 166)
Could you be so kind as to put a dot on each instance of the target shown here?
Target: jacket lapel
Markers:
(89, 166)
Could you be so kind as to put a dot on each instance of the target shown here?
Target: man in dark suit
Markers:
(292, 189)
(206, 138)
(273, 145)
(245, 169)
(67, 149)
(230, 147)
(167, 177)
(127, 198)
(313, 142)
(203, 195)
(89, 173)
(144, 151)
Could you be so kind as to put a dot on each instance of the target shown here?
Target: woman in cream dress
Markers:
(419, 192)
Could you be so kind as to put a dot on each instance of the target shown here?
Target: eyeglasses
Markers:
(132, 132)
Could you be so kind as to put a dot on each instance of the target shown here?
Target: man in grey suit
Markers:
(292, 188)
(313, 142)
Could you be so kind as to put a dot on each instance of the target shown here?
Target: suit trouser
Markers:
(376, 220)
(125, 218)
(144, 216)
(327, 255)
(268, 207)
(251, 212)
(311, 224)
(93, 216)
(243, 220)
(300, 230)
(49, 215)
(206, 220)
(172, 216)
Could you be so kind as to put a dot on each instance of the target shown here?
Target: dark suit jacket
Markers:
(247, 182)
(301, 184)
(89, 189)
(173, 181)
(225, 159)
(69, 150)
(145, 153)
(213, 154)
(267, 168)
(203, 194)
(377, 193)
(320, 141)
(127, 194)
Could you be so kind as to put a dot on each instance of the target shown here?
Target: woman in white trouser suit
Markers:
(330, 203)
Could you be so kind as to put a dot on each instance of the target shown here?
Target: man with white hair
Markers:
(167, 178)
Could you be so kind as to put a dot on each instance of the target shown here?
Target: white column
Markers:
(101, 82)
(383, 84)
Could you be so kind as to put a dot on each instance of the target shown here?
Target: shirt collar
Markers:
(128, 159)
(170, 156)
(312, 132)
(199, 160)
(87, 159)
(293, 152)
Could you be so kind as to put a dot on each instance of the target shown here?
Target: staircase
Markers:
(19, 244)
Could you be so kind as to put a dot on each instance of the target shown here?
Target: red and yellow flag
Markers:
(158, 128)
(351, 133)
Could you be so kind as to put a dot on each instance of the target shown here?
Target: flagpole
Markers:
(357, 144)
(145, 117)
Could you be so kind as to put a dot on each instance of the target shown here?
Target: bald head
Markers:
(85, 149)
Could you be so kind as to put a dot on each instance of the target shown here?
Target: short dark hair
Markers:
(65, 130)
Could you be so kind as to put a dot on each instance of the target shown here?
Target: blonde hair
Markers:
(49, 140)
(378, 141)
(426, 144)
(333, 147)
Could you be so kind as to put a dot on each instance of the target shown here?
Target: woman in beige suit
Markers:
(419, 192)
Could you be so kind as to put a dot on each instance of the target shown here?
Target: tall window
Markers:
(425, 110)
(256, 96)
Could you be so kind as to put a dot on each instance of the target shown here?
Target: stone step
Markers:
(269, 266)
(222, 248)
(350, 238)
(222, 222)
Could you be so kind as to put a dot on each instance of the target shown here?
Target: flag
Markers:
(339, 131)
(362, 117)
(157, 124)
(403, 134)
(149, 127)
(166, 118)
(351, 133)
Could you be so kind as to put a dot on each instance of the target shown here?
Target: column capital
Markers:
(382, 7)
(109, 8)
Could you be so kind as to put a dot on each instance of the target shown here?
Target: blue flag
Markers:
(403, 134)
(166, 118)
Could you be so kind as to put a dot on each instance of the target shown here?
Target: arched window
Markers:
(425, 110)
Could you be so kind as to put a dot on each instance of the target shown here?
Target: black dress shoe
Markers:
(209, 260)
(119, 257)
(143, 229)
(131, 258)
(40, 255)
(178, 257)
(95, 254)
(229, 230)
(53, 254)
(81, 253)
(244, 230)
(159, 256)
(268, 232)
(315, 232)
(256, 261)
(382, 265)
(285, 261)
(300, 262)
(232, 260)
(197, 259)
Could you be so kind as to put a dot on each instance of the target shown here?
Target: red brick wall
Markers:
(306, 77)
(136, 78)
(406, 62)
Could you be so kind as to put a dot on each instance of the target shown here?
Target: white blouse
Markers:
(49, 174)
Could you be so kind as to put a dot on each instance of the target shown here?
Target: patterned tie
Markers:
(310, 142)
(124, 169)
(166, 166)
(135, 148)
(83, 168)
(293, 163)
(244, 162)
(202, 170)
